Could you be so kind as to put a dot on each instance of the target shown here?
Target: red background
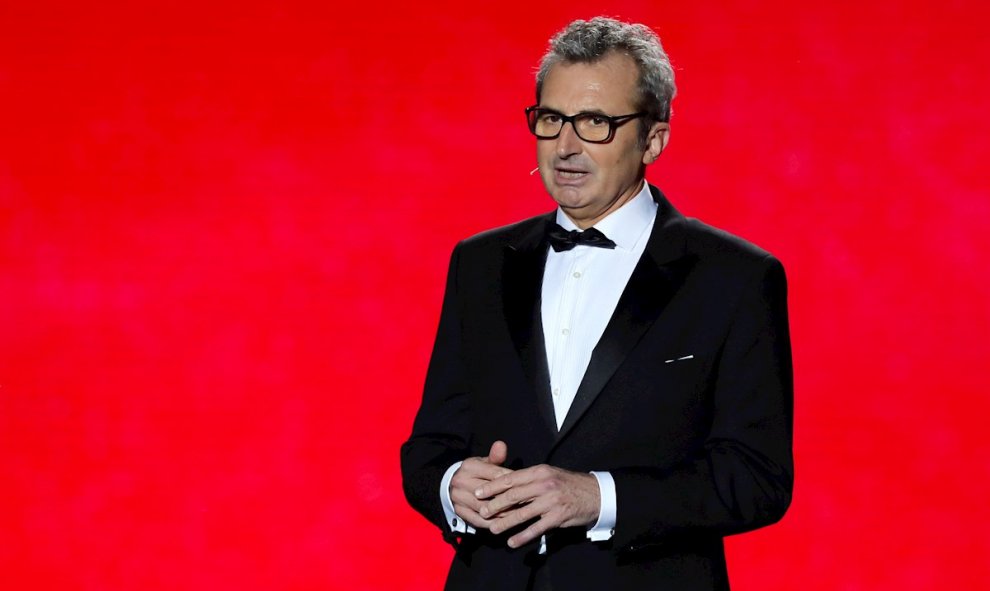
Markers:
(224, 229)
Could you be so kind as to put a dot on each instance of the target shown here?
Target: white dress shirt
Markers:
(581, 288)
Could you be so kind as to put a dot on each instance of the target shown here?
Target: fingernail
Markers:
(512, 543)
(477, 493)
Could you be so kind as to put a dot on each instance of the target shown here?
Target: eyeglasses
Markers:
(594, 128)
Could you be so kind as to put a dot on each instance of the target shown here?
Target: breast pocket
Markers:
(665, 391)
(678, 379)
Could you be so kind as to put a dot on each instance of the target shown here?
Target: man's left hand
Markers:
(555, 497)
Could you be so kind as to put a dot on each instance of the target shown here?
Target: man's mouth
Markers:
(570, 174)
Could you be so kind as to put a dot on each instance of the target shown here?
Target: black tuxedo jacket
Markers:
(687, 401)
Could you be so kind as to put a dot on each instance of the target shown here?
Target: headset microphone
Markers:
(534, 170)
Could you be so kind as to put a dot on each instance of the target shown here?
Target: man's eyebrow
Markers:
(594, 112)
(585, 112)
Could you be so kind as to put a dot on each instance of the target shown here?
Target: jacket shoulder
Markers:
(710, 243)
(509, 235)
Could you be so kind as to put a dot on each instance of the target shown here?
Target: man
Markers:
(610, 388)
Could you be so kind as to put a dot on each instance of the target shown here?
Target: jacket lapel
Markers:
(522, 286)
(655, 279)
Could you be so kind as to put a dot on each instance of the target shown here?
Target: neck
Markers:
(585, 219)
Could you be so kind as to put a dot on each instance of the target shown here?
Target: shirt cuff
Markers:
(604, 528)
(457, 524)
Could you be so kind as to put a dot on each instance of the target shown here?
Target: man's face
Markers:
(588, 180)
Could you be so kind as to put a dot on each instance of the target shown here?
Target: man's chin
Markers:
(569, 198)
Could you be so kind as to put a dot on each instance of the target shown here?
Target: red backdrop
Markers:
(224, 229)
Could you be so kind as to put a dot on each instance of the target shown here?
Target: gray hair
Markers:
(589, 41)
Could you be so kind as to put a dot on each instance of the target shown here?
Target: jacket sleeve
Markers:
(743, 477)
(440, 435)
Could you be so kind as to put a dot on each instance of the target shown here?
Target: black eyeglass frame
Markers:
(614, 122)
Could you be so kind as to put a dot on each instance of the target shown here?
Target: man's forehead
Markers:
(612, 60)
(604, 84)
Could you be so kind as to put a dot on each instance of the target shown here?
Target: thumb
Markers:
(498, 453)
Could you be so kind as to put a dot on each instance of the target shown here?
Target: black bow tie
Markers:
(561, 239)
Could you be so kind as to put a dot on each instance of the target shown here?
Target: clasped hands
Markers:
(490, 496)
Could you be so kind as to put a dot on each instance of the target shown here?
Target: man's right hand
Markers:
(473, 473)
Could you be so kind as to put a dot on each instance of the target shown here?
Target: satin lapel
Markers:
(522, 286)
(656, 278)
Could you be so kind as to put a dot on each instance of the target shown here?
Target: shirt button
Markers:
(556, 391)
(577, 274)
(565, 332)
(454, 522)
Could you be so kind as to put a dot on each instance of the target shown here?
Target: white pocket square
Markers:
(685, 358)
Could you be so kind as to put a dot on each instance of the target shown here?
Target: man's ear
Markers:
(656, 141)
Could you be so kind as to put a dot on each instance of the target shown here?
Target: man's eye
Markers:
(598, 121)
(550, 118)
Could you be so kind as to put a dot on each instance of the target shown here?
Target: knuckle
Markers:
(533, 513)
(535, 530)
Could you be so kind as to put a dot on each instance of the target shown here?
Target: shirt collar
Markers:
(624, 226)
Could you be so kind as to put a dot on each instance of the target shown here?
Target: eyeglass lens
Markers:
(589, 127)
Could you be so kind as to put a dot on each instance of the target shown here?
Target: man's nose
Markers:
(568, 142)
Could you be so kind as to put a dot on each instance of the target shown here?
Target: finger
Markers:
(466, 498)
(519, 515)
(503, 483)
(511, 498)
(538, 528)
(498, 453)
(472, 517)
(500, 484)
(478, 468)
